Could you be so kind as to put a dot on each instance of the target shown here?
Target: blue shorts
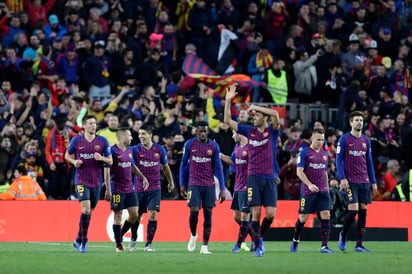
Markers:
(315, 202)
(204, 196)
(85, 193)
(239, 202)
(262, 191)
(120, 201)
(149, 200)
(359, 193)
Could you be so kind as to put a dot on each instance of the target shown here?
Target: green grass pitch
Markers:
(172, 257)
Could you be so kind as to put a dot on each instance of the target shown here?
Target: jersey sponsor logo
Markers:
(317, 166)
(357, 153)
(125, 165)
(148, 163)
(240, 161)
(209, 152)
(201, 159)
(87, 156)
(256, 143)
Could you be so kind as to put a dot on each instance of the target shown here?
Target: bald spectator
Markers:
(390, 178)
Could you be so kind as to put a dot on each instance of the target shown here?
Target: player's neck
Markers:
(314, 149)
(121, 146)
(357, 134)
(148, 145)
(243, 142)
(263, 127)
(89, 137)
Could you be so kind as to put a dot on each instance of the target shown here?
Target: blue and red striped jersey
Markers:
(262, 150)
(149, 161)
(240, 157)
(315, 166)
(354, 159)
(90, 172)
(121, 171)
(199, 162)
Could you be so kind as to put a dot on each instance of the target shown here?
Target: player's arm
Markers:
(302, 176)
(371, 170)
(340, 154)
(327, 179)
(268, 111)
(227, 118)
(107, 154)
(227, 159)
(69, 156)
(169, 177)
(108, 193)
(183, 168)
(219, 172)
(136, 171)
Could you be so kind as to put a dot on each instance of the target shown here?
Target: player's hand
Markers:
(230, 93)
(374, 189)
(345, 184)
(52, 167)
(277, 180)
(222, 195)
(145, 183)
(183, 191)
(251, 109)
(78, 163)
(98, 156)
(108, 195)
(313, 188)
(170, 187)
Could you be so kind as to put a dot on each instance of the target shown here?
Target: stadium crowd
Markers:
(121, 61)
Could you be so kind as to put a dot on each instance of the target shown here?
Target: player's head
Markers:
(145, 134)
(260, 119)
(318, 137)
(202, 130)
(124, 136)
(356, 121)
(89, 124)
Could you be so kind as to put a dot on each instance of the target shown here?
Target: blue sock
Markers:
(193, 219)
(360, 229)
(207, 225)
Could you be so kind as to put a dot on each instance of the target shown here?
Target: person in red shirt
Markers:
(390, 178)
(37, 11)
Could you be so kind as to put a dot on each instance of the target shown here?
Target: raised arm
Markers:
(230, 94)
(268, 111)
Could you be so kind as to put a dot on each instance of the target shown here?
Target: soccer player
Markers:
(201, 156)
(119, 185)
(149, 157)
(262, 166)
(241, 210)
(357, 176)
(312, 169)
(87, 153)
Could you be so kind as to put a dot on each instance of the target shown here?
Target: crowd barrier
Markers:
(57, 221)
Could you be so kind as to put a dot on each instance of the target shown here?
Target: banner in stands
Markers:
(57, 221)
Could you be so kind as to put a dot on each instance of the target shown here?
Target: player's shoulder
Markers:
(101, 138)
(344, 137)
(304, 151)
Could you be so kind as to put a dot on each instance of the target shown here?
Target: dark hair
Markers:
(329, 132)
(318, 130)
(147, 127)
(87, 117)
(22, 170)
(306, 133)
(354, 114)
(201, 124)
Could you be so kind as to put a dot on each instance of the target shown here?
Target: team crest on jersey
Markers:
(265, 134)
(325, 158)
(97, 147)
(130, 155)
(302, 208)
(209, 152)
(156, 155)
(244, 153)
(364, 145)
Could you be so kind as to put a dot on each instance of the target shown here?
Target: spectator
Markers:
(37, 10)
(110, 132)
(305, 75)
(68, 65)
(33, 169)
(23, 188)
(391, 178)
(291, 182)
(54, 30)
(9, 32)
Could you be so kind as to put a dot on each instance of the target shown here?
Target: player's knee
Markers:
(152, 215)
(303, 218)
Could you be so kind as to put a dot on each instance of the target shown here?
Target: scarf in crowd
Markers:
(263, 60)
(58, 138)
